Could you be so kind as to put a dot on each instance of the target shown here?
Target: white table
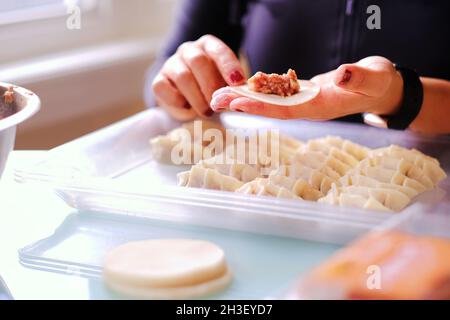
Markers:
(30, 212)
(27, 214)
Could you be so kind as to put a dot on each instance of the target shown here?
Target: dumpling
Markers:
(373, 204)
(365, 197)
(263, 155)
(401, 166)
(291, 143)
(321, 182)
(299, 187)
(311, 159)
(315, 178)
(281, 186)
(390, 176)
(288, 147)
(432, 170)
(352, 200)
(345, 199)
(331, 152)
(324, 145)
(317, 160)
(358, 151)
(243, 172)
(161, 146)
(429, 165)
(343, 156)
(305, 191)
(390, 198)
(264, 187)
(329, 170)
(200, 177)
(360, 180)
(410, 155)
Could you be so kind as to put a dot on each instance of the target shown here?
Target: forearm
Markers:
(434, 116)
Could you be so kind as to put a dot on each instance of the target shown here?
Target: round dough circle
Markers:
(195, 291)
(308, 91)
(164, 263)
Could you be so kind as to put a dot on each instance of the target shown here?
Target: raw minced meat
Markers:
(9, 95)
(283, 85)
(6, 104)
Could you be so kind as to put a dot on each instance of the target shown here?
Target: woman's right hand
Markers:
(187, 80)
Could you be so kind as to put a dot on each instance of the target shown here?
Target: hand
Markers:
(186, 82)
(370, 85)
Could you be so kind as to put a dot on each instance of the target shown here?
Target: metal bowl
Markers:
(24, 105)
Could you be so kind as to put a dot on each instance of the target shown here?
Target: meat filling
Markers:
(6, 104)
(283, 85)
(9, 95)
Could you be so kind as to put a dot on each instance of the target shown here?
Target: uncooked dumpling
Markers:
(354, 200)
(242, 172)
(316, 179)
(359, 180)
(266, 187)
(324, 145)
(166, 269)
(161, 146)
(329, 169)
(200, 177)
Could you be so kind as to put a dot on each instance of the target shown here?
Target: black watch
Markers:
(411, 102)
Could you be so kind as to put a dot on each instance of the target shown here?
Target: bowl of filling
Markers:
(16, 105)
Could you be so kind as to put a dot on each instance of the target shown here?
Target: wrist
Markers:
(410, 103)
(392, 100)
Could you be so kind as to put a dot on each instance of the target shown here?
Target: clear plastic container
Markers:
(435, 222)
(111, 170)
(432, 224)
(261, 264)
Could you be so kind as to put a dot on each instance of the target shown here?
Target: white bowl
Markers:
(26, 104)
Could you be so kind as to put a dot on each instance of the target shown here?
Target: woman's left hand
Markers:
(370, 85)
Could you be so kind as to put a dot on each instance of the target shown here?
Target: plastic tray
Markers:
(111, 170)
(261, 264)
(435, 223)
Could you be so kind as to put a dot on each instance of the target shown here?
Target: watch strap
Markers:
(411, 102)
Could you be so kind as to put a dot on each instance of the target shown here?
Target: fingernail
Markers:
(187, 105)
(236, 76)
(346, 77)
(209, 112)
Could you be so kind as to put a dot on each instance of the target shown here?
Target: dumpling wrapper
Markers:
(194, 291)
(166, 268)
(308, 91)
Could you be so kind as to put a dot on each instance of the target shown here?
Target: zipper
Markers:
(349, 7)
(348, 28)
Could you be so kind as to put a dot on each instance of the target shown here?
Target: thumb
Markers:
(372, 81)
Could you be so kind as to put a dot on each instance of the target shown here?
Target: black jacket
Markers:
(316, 36)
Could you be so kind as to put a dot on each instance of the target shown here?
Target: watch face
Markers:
(374, 120)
